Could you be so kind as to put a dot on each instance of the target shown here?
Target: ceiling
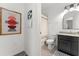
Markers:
(53, 7)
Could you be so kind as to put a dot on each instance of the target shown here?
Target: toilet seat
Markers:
(50, 41)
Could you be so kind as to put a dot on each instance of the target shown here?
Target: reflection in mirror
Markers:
(71, 20)
(69, 24)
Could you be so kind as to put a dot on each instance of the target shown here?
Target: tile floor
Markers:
(53, 52)
(58, 53)
(21, 54)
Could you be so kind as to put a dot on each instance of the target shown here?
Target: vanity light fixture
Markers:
(67, 7)
(74, 5)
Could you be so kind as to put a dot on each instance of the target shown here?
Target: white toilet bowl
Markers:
(51, 43)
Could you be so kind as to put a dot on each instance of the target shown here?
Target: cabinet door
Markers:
(74, 46)
(64, 43)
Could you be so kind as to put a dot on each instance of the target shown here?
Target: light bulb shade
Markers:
(67, 7)
(75, 5)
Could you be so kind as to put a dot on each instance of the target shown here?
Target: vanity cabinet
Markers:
(68, 44)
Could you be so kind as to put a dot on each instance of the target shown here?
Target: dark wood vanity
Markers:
(68, 44)
(68, 37)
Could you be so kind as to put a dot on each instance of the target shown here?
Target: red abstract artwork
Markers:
(11, 23)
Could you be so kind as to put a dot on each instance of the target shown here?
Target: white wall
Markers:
(54, 21)
(55, 17)
(55, 12)
(29, 40)
(13, 44)
(32, 35)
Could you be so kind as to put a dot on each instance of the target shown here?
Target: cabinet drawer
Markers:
(64, 45)
(63, 37)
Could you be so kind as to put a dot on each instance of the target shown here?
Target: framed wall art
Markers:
(10, 22)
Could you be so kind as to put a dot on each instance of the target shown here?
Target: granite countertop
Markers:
(69, 34)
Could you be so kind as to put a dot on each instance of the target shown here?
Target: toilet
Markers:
(51, 42)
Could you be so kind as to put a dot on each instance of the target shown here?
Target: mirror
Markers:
(71, 20)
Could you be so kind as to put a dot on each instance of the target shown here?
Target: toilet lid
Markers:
(50, 41)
